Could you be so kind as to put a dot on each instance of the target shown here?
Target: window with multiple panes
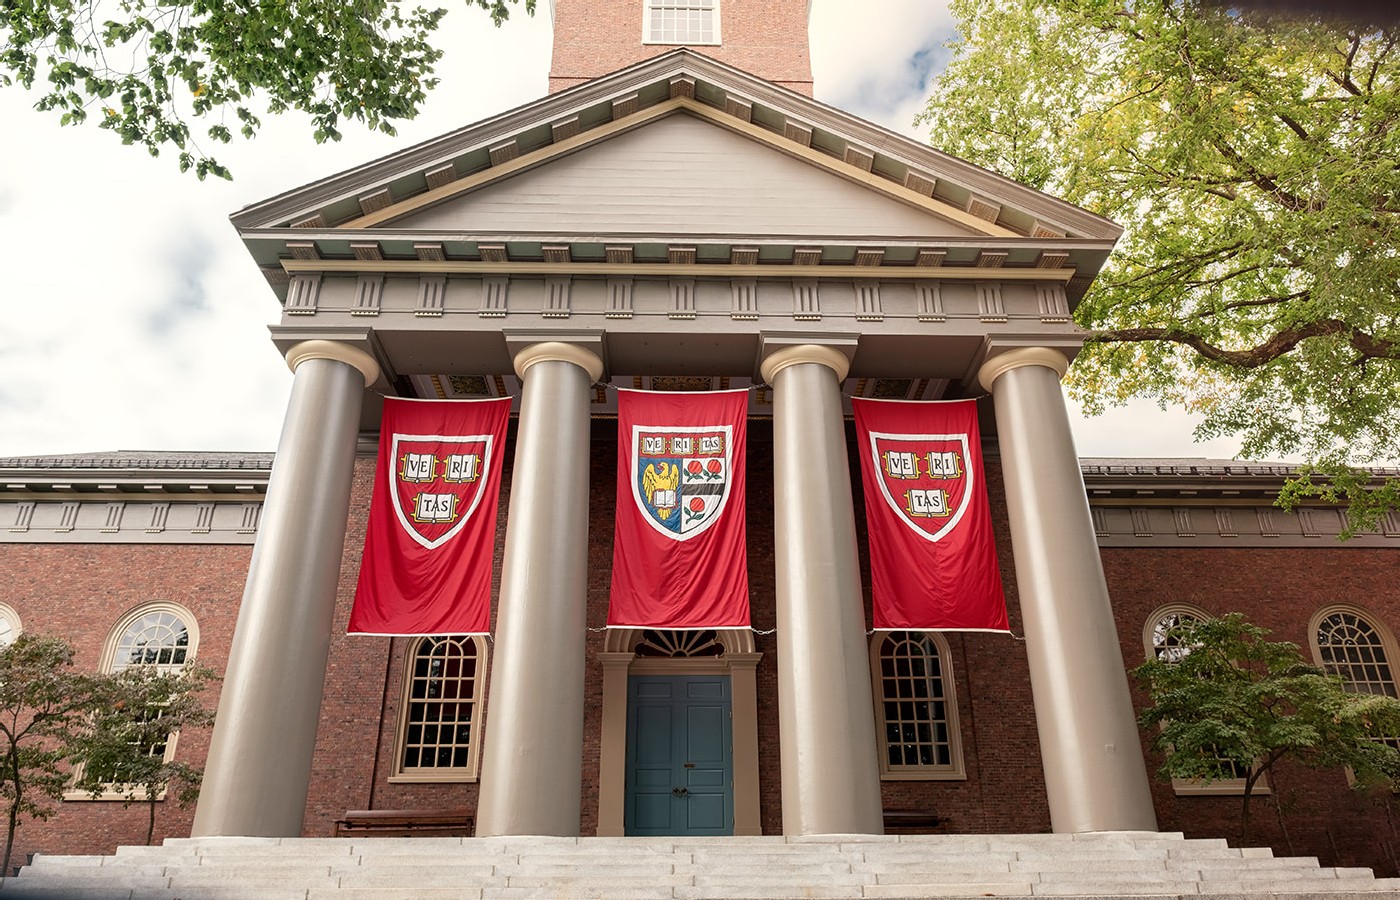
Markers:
(161, 635)
(1347, 643)
(439, 728)
(681, 22)
(915, 706)
(1163, 640)
(9, 625)
(1350, 646)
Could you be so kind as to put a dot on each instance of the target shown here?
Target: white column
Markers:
(532, 762)
(1095, 777)
(259, 764)
(826, 719)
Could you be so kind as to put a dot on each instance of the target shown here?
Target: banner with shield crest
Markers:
(933, 559)
(426, 567)
(679, 539)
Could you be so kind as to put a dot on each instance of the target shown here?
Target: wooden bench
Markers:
(406, 823)
(912, 821)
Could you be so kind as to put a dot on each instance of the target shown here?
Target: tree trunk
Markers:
(1244, 807)
(1278, 815)
(150, 822)
(13, 775)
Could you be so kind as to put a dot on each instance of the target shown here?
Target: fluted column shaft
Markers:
(259, 764)
(1095, 777)
(532, 762)
(830, 772)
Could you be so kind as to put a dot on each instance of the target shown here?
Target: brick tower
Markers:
(767, 38)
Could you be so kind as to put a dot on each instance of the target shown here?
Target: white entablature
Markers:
(679, 215)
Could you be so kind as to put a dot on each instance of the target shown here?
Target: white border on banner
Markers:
(679, 429)
(487, 457)
(967, 492)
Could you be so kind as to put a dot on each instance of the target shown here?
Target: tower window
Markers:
(681, 22)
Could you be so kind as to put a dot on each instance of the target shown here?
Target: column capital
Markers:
(1002, 363)
(552, 351)
(342, 353)
(797, 354)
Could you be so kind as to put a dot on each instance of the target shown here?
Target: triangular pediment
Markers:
(677, 150)
(681, 175)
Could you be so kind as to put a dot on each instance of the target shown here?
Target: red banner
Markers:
(933, 560)
(679, 543)
(426, 567)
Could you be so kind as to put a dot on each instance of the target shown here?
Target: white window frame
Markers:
(1387, 642)
(1194, 787)
(10, 627)
(1387, 647)
(109, 664)
(650, 6)
(469, 772)
(954, 770)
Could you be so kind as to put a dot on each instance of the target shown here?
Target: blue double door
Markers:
(680, 767)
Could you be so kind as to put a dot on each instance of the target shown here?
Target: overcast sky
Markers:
(134, 319)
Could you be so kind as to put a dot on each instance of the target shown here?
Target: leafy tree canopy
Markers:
(1254, 161)
(1235, 696)
(145, 69)
(44, 704)
(123, 750)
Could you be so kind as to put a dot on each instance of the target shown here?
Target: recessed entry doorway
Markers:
(679, 753)
(680, 769)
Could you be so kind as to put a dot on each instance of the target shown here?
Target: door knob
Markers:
(680, 791)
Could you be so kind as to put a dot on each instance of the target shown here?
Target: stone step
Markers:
(825, 866)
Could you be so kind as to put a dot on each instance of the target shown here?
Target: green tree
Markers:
(123, 750)
(44, 705)
(1236, 697)
(145, 68)
(1252, 160)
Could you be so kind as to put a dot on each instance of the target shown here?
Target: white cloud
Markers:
(875, 58)
(134, 319)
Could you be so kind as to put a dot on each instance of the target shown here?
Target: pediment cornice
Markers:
(687, 82)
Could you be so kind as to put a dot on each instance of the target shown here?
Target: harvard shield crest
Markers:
(925, 478)
(681, 476)
(438, 483)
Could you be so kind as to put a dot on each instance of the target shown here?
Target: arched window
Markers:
(679, 644)
(163, 635)
(1162, 636)
(1347, 643)
(915, 706)
(9, 625)
(160, 635)
(439, 728)
(1162, 639)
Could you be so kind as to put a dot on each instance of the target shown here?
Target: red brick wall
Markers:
(1280, 590)
(79, 592)
(767, 38)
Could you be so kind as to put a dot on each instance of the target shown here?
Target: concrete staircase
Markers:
(1136, 864)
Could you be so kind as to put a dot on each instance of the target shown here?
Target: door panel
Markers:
(679, 756)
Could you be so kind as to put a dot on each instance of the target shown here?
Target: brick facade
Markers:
(79, 591)
(765, 37)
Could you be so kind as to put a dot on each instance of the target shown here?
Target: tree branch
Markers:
(1376, 62)
(1293, 125)
(1367, 345)
(1261, 301)
(1265, 182)
(1345, 78)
